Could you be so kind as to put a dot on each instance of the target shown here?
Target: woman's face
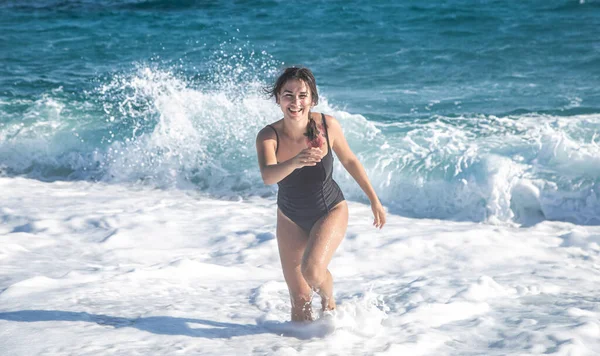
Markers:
(295, 99)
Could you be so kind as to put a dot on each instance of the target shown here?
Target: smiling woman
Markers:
(312, 215)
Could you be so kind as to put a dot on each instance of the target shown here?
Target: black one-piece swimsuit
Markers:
(309, 193)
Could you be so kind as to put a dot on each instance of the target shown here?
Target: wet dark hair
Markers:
(299, 73)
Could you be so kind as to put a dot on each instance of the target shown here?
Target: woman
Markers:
(312, 215)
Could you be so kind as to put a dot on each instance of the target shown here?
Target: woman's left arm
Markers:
(354, 167)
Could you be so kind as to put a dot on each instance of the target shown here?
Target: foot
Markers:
(302, 312)
(327, 304)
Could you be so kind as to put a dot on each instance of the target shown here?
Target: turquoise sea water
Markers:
(481, 110)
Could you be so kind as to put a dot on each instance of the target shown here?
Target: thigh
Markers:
(291, 240)
(326, 235)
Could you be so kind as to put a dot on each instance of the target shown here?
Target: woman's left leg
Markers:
(325, 237)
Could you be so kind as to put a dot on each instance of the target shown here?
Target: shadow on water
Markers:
(164, 325)
(167, 325)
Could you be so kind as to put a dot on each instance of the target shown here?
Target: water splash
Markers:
(175, 129)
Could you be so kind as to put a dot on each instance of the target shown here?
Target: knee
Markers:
(314, 275)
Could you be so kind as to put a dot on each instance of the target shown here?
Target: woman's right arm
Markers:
(273, 172)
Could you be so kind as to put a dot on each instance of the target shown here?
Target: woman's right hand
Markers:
(307, 157)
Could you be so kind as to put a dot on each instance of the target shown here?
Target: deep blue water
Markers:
(483, 110)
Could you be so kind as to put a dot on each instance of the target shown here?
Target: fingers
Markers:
(379, 220)
(316, 152)
(382, 219)
(377, 223)
(310, 161)
(310, 156)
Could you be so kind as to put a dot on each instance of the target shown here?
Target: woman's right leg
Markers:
(292, 241)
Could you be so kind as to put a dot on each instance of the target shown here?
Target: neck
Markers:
(295, 129)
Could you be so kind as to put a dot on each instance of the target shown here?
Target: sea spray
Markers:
(162, 127)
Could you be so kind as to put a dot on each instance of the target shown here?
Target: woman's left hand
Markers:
(378, 214)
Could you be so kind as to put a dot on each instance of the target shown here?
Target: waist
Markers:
(315, 197)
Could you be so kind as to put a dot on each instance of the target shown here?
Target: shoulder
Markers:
(318, 117)
(268, 132)
(332, 123)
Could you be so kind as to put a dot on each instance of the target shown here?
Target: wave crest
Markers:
(159, 128)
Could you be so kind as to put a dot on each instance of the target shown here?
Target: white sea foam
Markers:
(126, 269)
